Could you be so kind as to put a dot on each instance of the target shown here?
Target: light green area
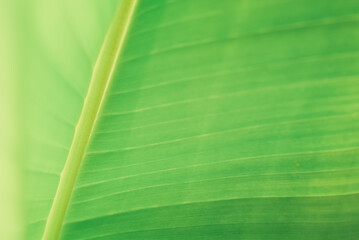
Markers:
(11, 216)
(223, 120)
(101, 78)
(63, 41)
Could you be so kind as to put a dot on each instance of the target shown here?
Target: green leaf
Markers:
(203, 120)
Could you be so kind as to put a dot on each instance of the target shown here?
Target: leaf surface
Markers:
(231, 120)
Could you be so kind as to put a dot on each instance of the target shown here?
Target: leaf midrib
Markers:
(100, 80)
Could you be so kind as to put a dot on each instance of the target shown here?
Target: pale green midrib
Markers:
(101, 77)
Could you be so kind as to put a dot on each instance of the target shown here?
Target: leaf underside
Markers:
(231, 120)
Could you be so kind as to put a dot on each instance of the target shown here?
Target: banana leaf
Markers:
(203, 119)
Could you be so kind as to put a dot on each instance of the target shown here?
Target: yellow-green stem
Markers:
(101, 78)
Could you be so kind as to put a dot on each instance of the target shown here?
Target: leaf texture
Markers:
(230, 120)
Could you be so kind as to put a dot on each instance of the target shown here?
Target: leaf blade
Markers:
(244, 101)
